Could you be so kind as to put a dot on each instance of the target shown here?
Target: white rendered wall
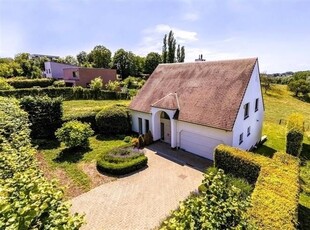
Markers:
(255, 119)
(224, 136)
(135, 121)
(55, 70)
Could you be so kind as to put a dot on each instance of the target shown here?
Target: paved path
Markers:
(139, 201)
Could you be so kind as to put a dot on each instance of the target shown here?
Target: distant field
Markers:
(279, 103)
(78, 107)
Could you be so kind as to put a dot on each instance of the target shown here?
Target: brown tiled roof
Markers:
(168, 102)
(208, 93)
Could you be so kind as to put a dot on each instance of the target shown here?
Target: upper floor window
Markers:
(256, 104)
(249, 131)
(240, 138)
(246, 110)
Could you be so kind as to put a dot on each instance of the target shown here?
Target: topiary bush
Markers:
(121, 161)
(18, 83)
(89, 118)
(295, 134)
(59, 83)
(45, 115)
(113, 120)
(220, 206)
(4, 85)
(74, 134)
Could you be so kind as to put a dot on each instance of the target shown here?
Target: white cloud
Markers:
(152, 39)
(191, 17)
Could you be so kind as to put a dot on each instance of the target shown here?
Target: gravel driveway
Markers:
(141, 200)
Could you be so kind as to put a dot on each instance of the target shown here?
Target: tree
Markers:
(100, 57)
(96, 84)
(122, 61)
(169, 52)
(300, 83)
(164, 52)
(265, 82)
(171, 47)
(82, 58)
(71, 60)
(151, 62)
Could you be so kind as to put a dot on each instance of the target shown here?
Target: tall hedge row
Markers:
(45, 115)
(67, 93)
(29, 83)
(28, 200)
(275, 197)
(295, 134)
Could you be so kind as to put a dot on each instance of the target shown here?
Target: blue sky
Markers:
(275, 31)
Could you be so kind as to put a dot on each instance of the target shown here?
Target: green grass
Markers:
(279, 103)
(58, 156)
(79, 107)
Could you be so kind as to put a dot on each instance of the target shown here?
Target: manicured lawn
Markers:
(279, 103)
(78, 166)
(78, 107)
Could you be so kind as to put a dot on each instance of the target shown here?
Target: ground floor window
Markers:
(249, 131)
(140, 125)
(240, 138)
(147, 125)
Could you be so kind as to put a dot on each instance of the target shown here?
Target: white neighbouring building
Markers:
(196, 106)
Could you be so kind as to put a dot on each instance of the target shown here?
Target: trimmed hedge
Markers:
(275, 197)
(89, 118)
(28, 199)
(295, 134)
(67, 93)
(113, 120)
(121, 161)
(29, 83)
(236, 165)
(45, 115)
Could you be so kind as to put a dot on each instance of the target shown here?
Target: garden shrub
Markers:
(28, 200)
(44, 114)
(89, 118)
(275, 196)
(141, 142)
(59, 83)
(228, 159)
(148, 138)
(74, 134)
(220, 206)
(18, 83)
(295, 134)
(67, 93)
(121, 161)
(128, 139)
(113, 120)
(4, 85)
(135, 142)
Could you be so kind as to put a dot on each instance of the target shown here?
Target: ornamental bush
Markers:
(74, 134)
(4, 85)
(220, 206)
(113, 120)
(121, 161)
(59, 83)
(295, 134)
(45, 115)
(28, 200)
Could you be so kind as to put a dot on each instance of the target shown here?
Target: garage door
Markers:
(198, 144)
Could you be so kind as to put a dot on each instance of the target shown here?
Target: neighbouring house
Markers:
(81, 76)
(55, 70)
(78, 76)
(196, 106)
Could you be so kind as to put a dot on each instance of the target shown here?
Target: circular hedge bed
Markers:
(121, 161)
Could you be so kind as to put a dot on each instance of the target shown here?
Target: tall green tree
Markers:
(82, 58)
(151, 62)
(164, 50)
(100, 57)
(71, 60)
(300, 83)
(171, 47)
(171, 53)
(121, 62)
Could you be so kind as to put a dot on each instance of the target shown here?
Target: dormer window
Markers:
(256, 105)
(246, 110)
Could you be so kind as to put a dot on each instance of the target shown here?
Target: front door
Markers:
(162, 131)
